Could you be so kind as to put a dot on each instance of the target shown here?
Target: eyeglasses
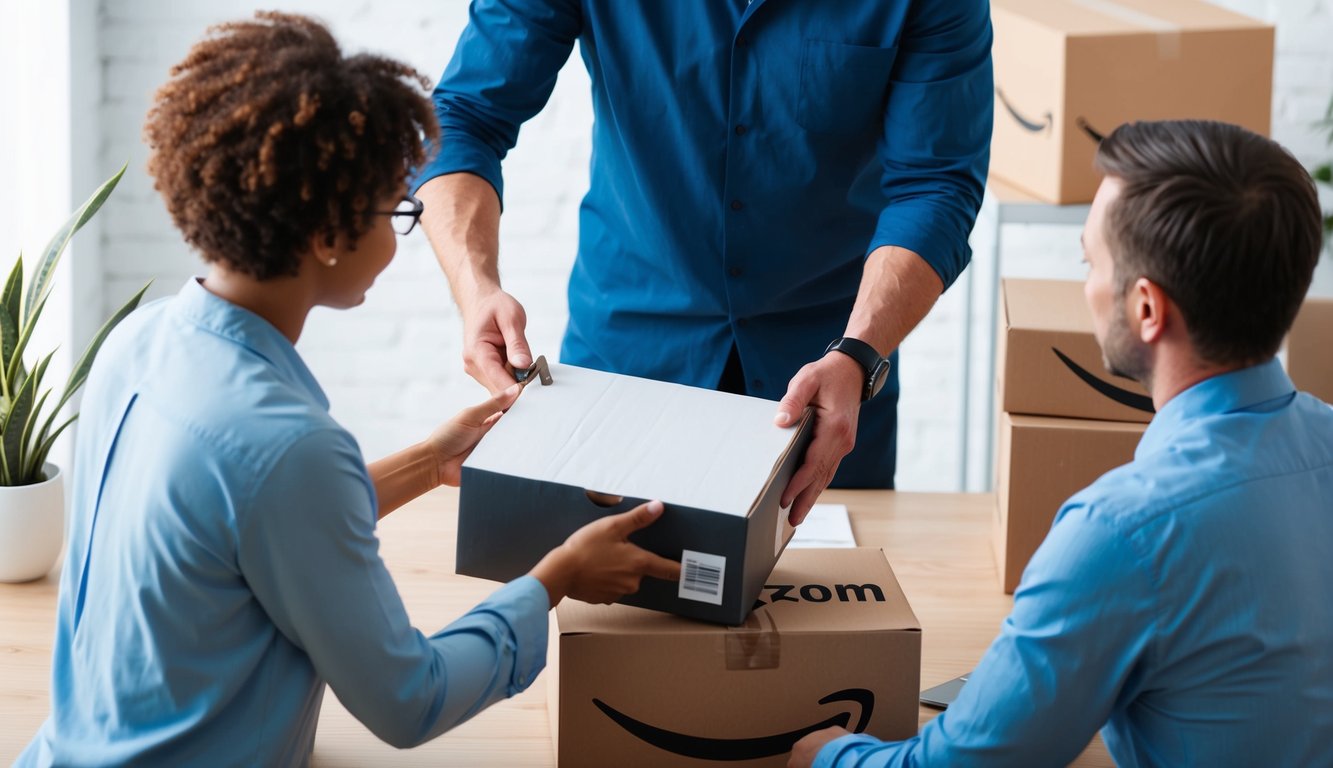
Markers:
(406, 215)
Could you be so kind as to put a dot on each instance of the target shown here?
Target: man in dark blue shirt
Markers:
(779, 193)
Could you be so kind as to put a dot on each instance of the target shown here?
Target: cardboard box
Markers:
(833, 642)
(1049, 362)
(1310, 349)
(566, 454)
(1069, 71)
(1041, 462)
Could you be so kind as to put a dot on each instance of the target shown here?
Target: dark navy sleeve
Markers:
(937, 129)
(501, 74)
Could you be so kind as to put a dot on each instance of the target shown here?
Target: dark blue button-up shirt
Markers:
(746, 159)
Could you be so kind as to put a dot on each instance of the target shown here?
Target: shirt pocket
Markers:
(843, 87)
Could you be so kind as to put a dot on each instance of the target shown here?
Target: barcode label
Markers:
(702, 576)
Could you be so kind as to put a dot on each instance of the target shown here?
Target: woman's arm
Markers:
(437, 460)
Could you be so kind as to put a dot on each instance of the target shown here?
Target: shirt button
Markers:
(742, 322)
(740, 130)
(742, 41)
(735, 271)
(757, 384)
(736, 205)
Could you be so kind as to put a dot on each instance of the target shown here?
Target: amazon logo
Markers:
(756, 748)
(1047, 120)
(820, 593)
(1086, 127)
(1028, 124)
(1120, 395)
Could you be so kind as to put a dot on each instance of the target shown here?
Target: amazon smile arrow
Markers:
(705, 748)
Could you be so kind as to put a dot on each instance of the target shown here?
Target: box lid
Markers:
(809, 591)
(1101, 17)
(1045, 305)
(627, 436)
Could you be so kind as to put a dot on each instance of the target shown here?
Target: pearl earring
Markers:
(331, 262)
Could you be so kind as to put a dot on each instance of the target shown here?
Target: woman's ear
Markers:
(323, 251)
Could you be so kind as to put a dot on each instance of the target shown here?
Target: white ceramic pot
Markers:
(32, 527)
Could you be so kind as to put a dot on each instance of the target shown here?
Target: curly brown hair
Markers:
(266, 137)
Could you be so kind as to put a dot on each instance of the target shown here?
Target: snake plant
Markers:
(28, 426)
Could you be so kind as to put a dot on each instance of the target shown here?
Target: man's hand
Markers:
(804, 752)
(493, 340)
(833, 385)
(452, 442)
(598, 564)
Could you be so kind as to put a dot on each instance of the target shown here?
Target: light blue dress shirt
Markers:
(745, 160)
(222, 566)
(1181, 601)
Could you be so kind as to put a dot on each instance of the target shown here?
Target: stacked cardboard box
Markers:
(1067, 73)
(1310, 349)
(1064, 419)
(832, 641)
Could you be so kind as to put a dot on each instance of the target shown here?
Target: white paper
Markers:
(826, 527)
(627, 436)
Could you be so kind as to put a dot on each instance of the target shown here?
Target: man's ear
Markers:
(1150, 309)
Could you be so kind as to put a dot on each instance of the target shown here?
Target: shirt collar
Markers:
(1224, 393)
(195, 305)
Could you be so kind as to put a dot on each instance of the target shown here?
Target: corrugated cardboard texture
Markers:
(1041, 462)
(1049, 361)
(639, 688)
(1064, 64)
(1310, 349)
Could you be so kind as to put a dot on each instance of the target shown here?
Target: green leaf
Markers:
(14, 370)
(9, 319)
(11, 435)
(1323, 173)
(25, 442)
(79, 373)
(40, 283)
(38, 457)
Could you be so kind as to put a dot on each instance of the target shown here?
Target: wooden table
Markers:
(938, 545)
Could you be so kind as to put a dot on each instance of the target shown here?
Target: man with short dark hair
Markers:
(1181, 601)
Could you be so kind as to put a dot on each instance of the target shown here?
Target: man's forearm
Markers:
(897, 289)
(462, 222)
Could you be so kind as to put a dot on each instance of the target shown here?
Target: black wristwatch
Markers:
(876, 367)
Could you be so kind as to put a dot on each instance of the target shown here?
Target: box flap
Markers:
(809, 591)
(1100, 17)
(635, 437)
(1045, 305)
(1060, 424)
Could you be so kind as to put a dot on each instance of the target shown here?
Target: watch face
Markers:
(877, 379)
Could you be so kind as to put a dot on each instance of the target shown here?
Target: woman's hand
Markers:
(598, 564)
(452, 442)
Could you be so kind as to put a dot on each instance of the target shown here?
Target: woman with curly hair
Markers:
(222, 564)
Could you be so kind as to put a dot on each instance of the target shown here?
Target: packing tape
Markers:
(751, 646)
(1168, 32)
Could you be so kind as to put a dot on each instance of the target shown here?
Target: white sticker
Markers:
(702, 576)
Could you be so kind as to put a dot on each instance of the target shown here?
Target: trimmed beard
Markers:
(1122, 353)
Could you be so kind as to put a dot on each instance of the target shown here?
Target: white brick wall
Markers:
(392, 367)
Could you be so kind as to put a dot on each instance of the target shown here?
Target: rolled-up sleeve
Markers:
(501, 74)
(1074, 647)
(937, 130)
(310, 556)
